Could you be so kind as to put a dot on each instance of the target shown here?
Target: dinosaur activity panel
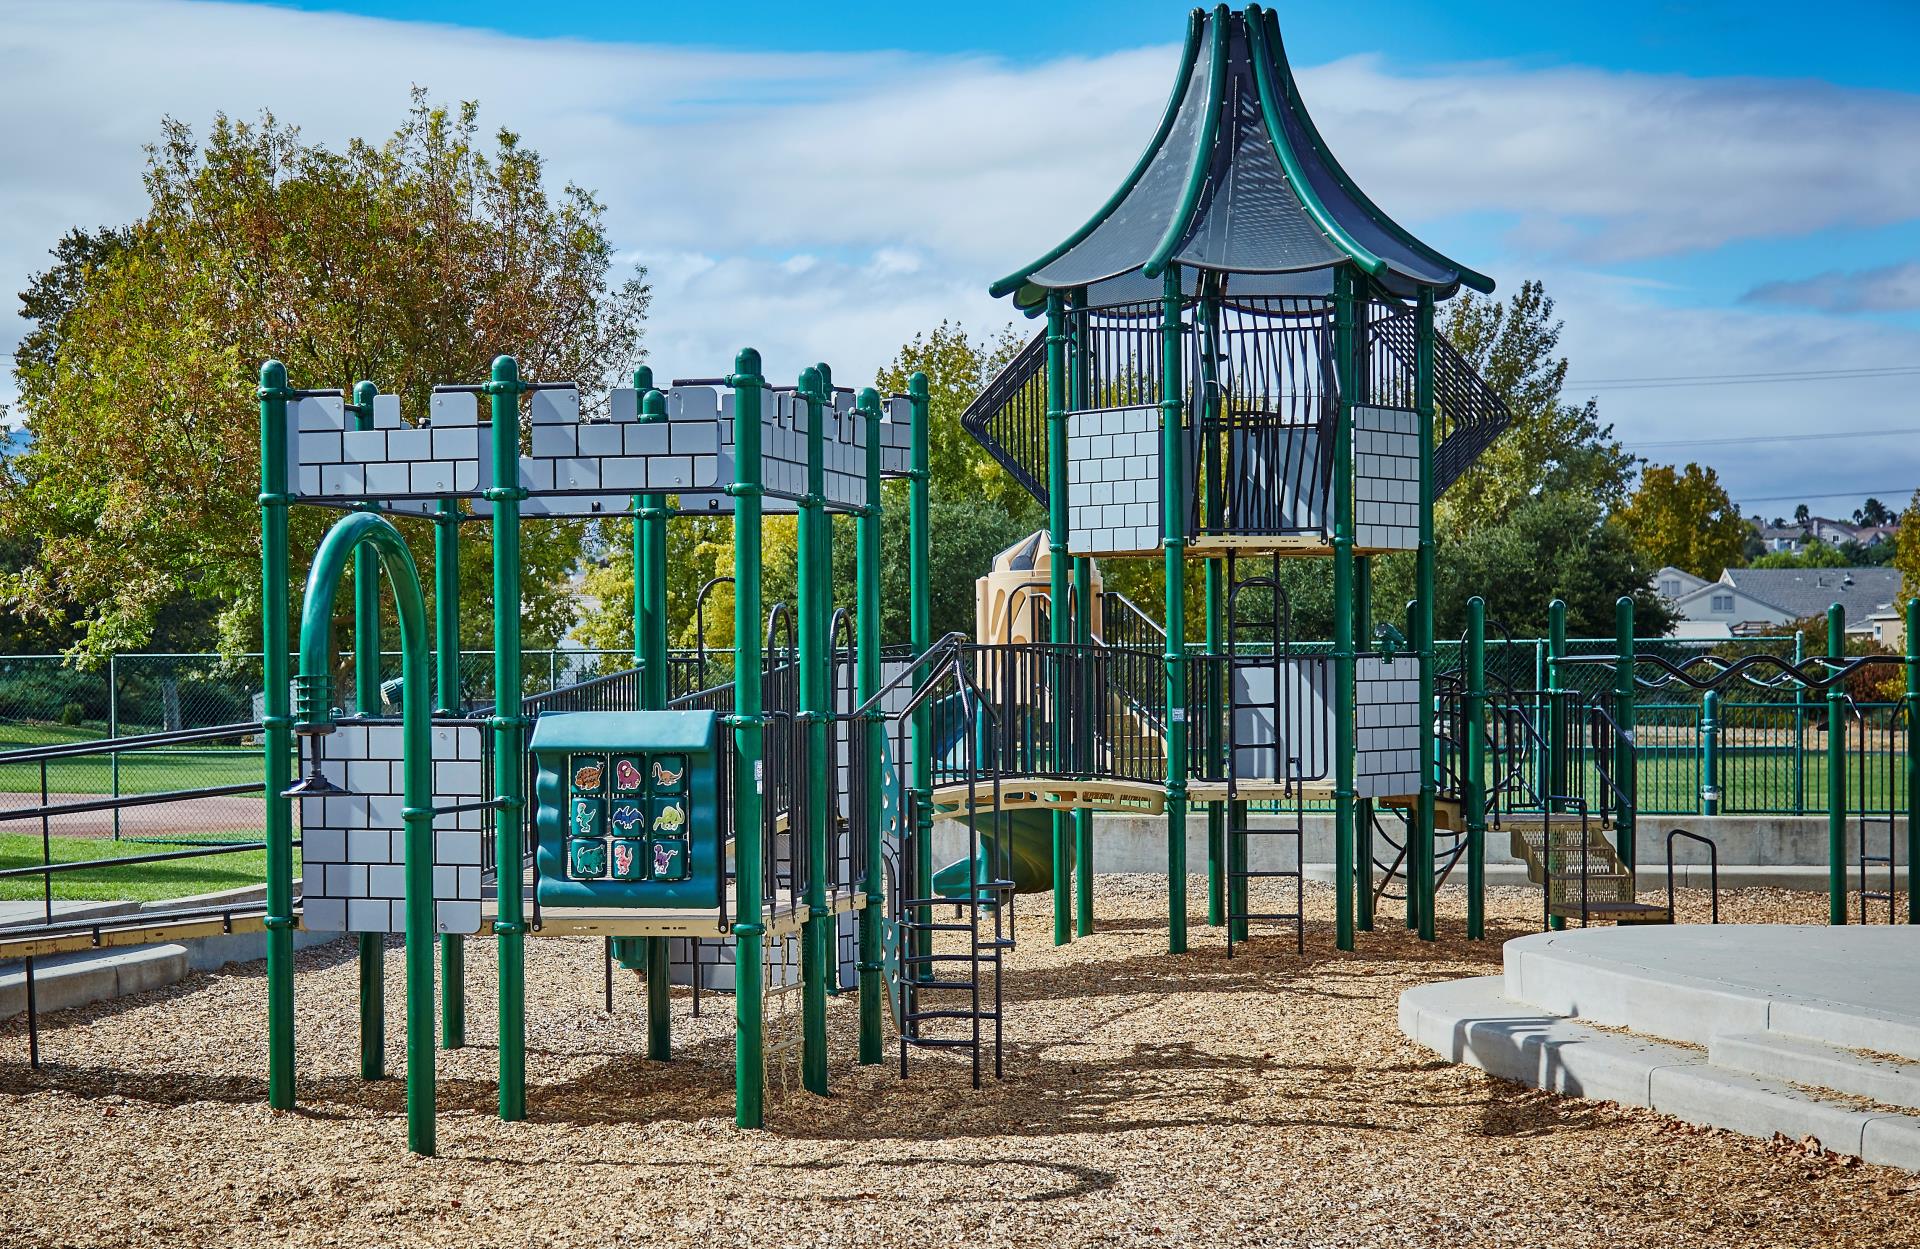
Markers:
(628, 809)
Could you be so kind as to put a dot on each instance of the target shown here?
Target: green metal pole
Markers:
(1913, 756)
(1173, 502)
(1836, 771)
(1363, 808)
(1423, 612)
(1473, 797)
(1206, 325)
(1080, 399)
(446, 684)
(920, 634)
(650, 630)
(1344, 871)
(1625, 760)
(276, 731)
(1709, 752)
(867, 677)
(1058, 626)
(815, 594)
(749, 749)
(366, 700)
(509, 925)
(1413, 860)
(342, 542)
(1799, 729)
(1556, 748)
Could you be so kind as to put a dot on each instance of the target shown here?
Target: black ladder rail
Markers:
(1868, 820)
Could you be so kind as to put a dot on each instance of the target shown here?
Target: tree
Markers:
(958, 367)
(1801, 516)
(1552, 447)
(1906, 549)
(1815, 554)
(1684, 519)
(1872, 512)
(409, 262)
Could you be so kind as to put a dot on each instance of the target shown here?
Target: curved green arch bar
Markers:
(1209, 131)
(314, 716)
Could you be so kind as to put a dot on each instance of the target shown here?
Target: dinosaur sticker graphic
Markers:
(665, 777)
(627, 775)
(627, 817)
(669, 819)
(586, 777)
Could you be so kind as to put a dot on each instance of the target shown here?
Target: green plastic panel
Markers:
(627, 809)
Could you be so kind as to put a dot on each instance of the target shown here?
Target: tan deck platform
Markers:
(781, 919)
(131, 930)
(1131, 797)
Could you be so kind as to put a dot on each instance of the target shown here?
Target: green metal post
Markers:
(1363, 808)
(276, 731)
(816, 707)
(366, 701)
(1414, 858)
(1709, 753)
(1173, 503)
(920, 634)
(1836, 770)
(446, 685)
(650, 630)
(1080, 399)
(1423, 612)
(867, 678)
(1625, 759)
(1343, 642)
(1058, 625)
(342, 542)
(749, 750)
(509, 925)
(1206, 325)
(1799, 728)
(1473, 799)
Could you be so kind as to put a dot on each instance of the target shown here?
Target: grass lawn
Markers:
(141, 882)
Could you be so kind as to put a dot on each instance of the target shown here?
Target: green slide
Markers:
(1018, 840)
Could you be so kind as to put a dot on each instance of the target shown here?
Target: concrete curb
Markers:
(1469, 1021)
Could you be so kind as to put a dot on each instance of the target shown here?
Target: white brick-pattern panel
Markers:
(1288, 735)
(406, 466)
(1387, 726)
(1386, 466)
(714, 957)
(353, 851)
(783, 450)
(1113, 481)
(583, 467)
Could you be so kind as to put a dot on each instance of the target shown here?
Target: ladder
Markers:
(1240, 875)
(949, 954)
(1567, 852)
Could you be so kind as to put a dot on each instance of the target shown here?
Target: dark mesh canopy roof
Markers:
(1237, 181)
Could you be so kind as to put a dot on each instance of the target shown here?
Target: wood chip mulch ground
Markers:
(1149, 1099)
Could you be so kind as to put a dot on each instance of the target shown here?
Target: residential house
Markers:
(1754, 600)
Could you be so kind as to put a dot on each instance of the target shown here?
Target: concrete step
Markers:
(63, 981)
(1853, 987)
(1782, 1057)
(1470, 1021)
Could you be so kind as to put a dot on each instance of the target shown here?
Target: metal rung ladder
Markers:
(1240, 876)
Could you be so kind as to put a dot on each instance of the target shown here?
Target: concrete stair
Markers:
(1754, 1029)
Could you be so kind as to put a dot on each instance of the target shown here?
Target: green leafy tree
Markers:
(1815, 554)
(1683, 518)
(1906, 549)
(958, 367)
(1552, 447)
(408, 262)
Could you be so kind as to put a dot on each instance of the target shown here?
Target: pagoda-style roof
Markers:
(1238, 181)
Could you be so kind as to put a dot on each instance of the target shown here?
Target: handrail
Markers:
(115, 745)
(122, 801)
(1713, 868)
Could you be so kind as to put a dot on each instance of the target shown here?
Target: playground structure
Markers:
(1239, 364)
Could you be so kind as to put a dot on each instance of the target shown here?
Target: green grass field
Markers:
(142, 772)
(138, 882)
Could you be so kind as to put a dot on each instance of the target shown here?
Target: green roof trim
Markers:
(1269, 24)
(1013, 280)
(624, 730)
(1290, 160)
(1203, 148)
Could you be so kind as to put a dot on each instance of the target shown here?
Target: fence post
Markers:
(1473, 785)
(1836, 769)
(1799, 727)
(1913, 755)
(1709, 760)
(113, 731)
(1625, 762)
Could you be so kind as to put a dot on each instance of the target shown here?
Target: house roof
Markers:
(1237, 180)
(1802, 592)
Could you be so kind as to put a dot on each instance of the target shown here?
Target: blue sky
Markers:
(1709, 189)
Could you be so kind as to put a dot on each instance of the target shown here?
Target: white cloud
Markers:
(827, 206)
